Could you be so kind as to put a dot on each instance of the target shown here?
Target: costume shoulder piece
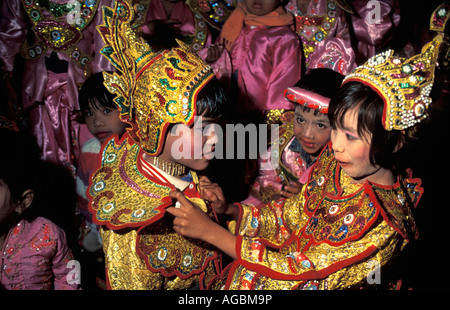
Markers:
(62, 31)
(397, 203)
(336, 218)
(120, 195)
(215, 12)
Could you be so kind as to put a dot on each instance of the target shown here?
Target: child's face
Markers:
(312, 131)
(103, 122)
(192, 146)
(261, 7)
(353, 152)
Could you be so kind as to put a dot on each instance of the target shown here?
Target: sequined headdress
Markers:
(153, 89)
(404, 84)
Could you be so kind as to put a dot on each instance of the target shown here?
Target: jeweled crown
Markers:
(404, 84)
(153, 89)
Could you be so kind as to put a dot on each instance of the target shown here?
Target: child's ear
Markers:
(25, 201)
(400, 143)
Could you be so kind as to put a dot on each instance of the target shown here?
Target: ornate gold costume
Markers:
(127, 195)
(329, 237)
(141, 249)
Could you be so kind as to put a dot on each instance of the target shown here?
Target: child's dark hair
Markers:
(212, 100)
(370, 106)
(323, 81)
(93, 92)
(21, 169)
(19, 161)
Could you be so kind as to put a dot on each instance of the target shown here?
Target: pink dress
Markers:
(49, 94)
(373, 26)
(191, 24)
(35, 256)
(325, 35)
(265, 60)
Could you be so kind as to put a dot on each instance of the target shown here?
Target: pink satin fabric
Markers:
(373, 35)
(181, 12)
(335, 51)
(58, 135)
(267, 60)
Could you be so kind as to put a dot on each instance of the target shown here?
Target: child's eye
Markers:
(300, 119)
(106, 111)
(351, 137)
(87, 113)
(321, 126)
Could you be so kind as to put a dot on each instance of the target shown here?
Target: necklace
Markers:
(170, 168)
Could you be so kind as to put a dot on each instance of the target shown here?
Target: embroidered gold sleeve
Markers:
(321, 267)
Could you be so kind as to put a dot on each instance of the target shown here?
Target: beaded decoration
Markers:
(313, 29)
(404, 84)
(60, 33)
(215, 12)
(153, 89)
(440, 17)
(337, 216)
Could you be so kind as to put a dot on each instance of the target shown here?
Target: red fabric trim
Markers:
(108, 285)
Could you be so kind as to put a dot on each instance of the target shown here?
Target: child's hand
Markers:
(214, 52)
(190, 220)
(213, 193)
(291, 190)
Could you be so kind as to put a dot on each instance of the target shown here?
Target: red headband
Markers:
(307, 98)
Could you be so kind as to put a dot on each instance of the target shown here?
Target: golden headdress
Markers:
(153, 89)
(404, 84)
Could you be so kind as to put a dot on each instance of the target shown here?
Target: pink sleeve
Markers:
(65, 269)
(335, 52)
(286, 70)
(373, 28)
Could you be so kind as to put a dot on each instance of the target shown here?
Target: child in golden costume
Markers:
(159, 95)
(355, 213)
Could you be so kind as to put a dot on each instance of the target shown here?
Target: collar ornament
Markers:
(173, 169)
